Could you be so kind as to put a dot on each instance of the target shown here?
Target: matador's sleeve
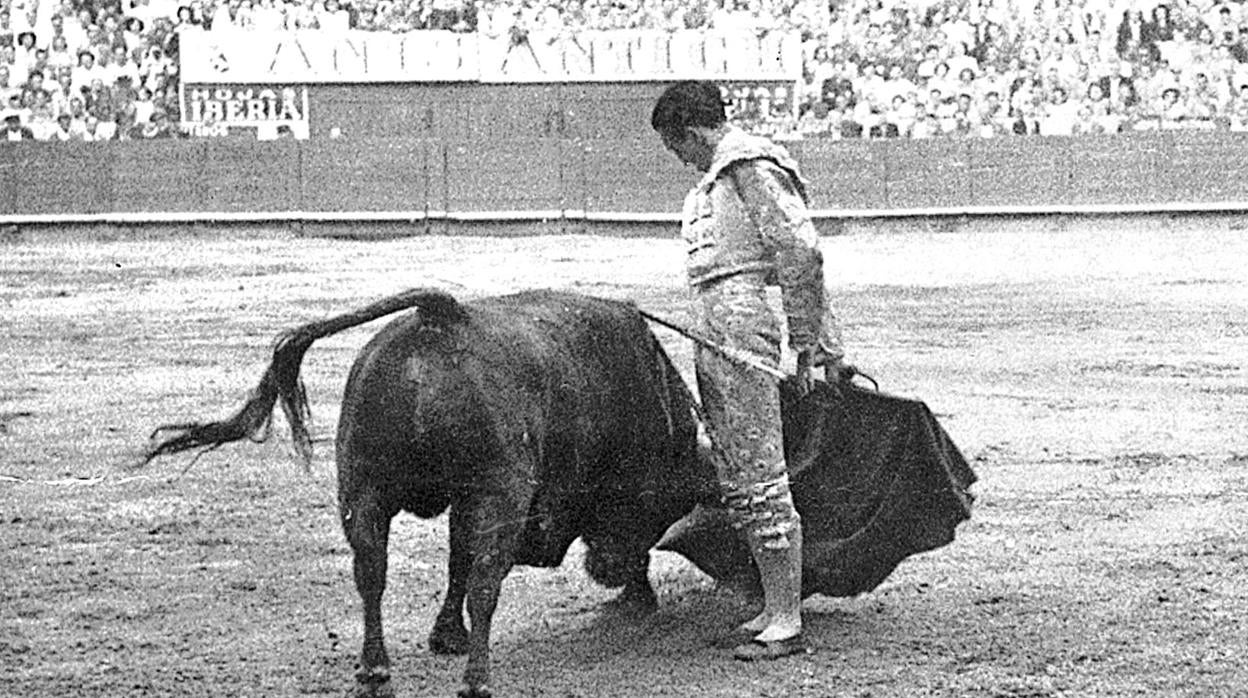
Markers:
(778, 210)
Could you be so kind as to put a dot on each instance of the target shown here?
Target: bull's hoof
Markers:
(475, 692)
(448, 639)
(373, 683)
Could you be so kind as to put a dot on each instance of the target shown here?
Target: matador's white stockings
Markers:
(780, 569)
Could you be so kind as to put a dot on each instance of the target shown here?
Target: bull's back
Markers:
(594, 367)
(620, 443)
(411, 418)
(563, 399)
(457, 397)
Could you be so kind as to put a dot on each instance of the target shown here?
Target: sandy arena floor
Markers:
(1093, 372)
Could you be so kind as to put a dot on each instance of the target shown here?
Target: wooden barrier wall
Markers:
(542, 177)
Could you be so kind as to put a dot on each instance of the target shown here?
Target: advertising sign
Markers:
(303, 57)
(312, 57)
(628, 55)
(213, 110)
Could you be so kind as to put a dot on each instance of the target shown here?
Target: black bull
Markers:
(542, 417)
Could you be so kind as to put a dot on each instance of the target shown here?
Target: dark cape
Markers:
(875, 478)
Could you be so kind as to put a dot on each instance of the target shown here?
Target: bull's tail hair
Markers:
(281, 380)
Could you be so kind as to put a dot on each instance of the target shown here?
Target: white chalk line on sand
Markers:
(73, 481)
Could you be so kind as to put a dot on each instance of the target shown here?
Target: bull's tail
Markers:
(281, 380)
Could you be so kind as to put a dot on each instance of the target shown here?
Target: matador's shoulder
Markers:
(762, 175)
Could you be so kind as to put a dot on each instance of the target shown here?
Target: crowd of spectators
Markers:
(107, 69)
(75, 70)
(1004, 67)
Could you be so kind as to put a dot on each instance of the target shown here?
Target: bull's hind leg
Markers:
(449, 636)
(496, 523)
(367, 526)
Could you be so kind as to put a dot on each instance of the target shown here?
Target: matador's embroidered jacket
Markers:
(748, 213)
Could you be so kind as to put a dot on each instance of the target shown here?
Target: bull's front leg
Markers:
(368, 531)
(496, 525)
(449, 636)
(618, 561)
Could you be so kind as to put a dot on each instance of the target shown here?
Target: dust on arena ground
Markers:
(1093, 372)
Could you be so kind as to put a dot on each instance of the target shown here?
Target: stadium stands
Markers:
(107, 69)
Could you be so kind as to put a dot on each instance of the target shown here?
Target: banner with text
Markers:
(309, 57)
(293, 57)
(627, 55)
(212, 110)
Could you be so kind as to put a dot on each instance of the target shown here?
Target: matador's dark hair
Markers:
(686, 104)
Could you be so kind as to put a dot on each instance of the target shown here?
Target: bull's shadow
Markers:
(575, 642)
(581, 643)
(571, 642)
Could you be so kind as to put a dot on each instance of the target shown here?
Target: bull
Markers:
(535, 418)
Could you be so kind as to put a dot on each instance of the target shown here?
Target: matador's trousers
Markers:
(742, 406)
